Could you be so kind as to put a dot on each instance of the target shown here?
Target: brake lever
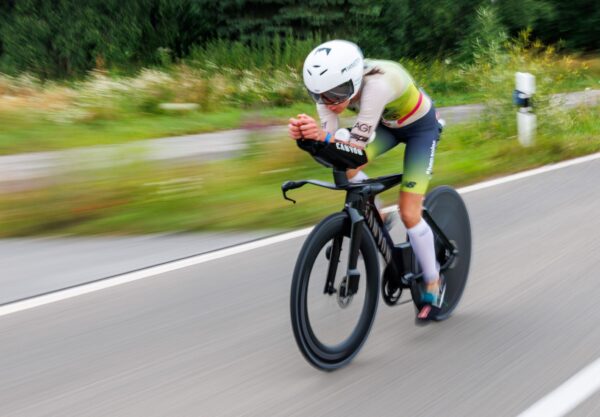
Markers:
(285, 187)
(292, 185)
(287, 198)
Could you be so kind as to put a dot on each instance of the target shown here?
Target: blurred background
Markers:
(136, 132)
(86, 89)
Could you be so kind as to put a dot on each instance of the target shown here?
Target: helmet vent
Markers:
(324, 72)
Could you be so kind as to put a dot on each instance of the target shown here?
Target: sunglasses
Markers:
(334, 96)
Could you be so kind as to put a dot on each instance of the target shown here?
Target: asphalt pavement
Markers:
(34, 266)
(215, 339)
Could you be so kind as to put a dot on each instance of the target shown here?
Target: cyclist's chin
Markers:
(338, 108)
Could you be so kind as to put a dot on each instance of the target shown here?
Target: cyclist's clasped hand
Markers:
(294, 128)
(304, 126)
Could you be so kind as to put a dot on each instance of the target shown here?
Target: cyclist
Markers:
(390, 110)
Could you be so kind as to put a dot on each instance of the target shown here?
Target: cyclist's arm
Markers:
(322, 145)
(329, 120)
(334, 154)
(375, 95)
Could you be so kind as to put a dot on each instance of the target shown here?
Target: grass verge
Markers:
(108, 109)
(244, 193)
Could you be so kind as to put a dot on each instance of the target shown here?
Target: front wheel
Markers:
(330, 324)
(448, 211)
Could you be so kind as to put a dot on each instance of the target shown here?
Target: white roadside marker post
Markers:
(526, 119)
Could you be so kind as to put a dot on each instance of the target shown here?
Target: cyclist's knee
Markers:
(355, 174)
(410, 217)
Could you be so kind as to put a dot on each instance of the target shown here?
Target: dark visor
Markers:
(336, 95)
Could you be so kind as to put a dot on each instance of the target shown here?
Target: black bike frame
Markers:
(360, 207)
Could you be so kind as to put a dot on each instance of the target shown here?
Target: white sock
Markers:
(361, 176)
(421, 240)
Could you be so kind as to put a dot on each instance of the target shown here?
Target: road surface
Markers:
(214, 339)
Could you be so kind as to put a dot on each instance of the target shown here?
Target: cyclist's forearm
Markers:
(318, 135)
(338, 154)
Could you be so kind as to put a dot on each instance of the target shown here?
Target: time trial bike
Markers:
(337, 281)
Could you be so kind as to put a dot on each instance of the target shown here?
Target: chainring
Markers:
(390, 290)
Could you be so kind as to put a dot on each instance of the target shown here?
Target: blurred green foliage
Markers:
(244, 192)
(67, 38)
(485, 38)
(248, 91)
(144, 197)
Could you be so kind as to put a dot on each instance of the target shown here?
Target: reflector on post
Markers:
(526, 120)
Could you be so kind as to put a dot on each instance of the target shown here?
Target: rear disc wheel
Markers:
(448, 211)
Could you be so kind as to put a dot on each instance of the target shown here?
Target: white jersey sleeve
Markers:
(375, 95)
(329, 120)
(388, 96)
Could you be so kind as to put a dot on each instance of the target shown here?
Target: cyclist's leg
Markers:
(357, 175)
(383, 142)
(421, 142)
(421, 237)
(385, 139)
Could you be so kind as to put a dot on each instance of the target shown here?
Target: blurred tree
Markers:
(485, 38)
(66, 37)
(250, 19)
(418, 28)
(388, 28)
(362, 25)
(519, 14)
(177, 25)
(6, 8)
(576, 22)
(436, 27)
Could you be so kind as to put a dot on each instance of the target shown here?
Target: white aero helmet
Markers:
(333, 72)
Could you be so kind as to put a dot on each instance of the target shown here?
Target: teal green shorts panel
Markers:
(421, 140)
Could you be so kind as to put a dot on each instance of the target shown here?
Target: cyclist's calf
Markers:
(410, 205)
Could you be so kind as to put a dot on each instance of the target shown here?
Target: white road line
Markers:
(530, 173)
(44, 299)
(569, 395)
(199, 259)
(519, 176)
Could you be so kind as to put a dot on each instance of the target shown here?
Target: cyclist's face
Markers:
(338, 108)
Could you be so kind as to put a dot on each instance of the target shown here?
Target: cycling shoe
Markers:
(430, 303)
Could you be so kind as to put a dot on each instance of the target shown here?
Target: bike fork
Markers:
(334, 258)
(353, 275)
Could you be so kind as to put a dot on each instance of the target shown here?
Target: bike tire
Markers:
(449, 212)
(320, 355)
